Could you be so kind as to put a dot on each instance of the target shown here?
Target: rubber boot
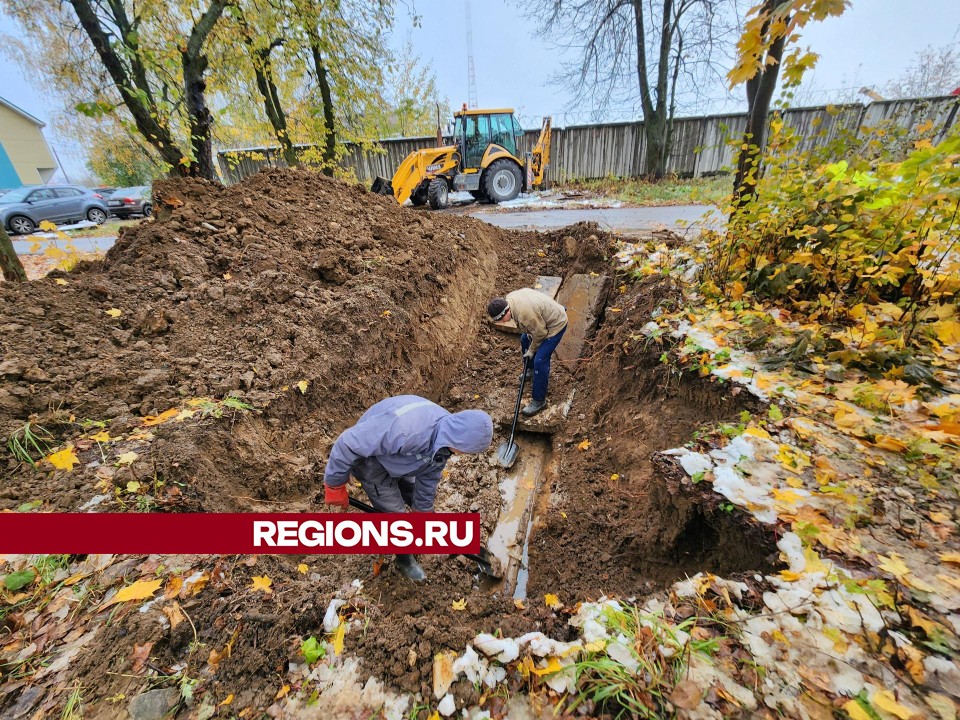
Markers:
(534, 407)
(408, 565)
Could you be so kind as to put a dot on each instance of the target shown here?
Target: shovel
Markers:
(483, 560)
(508, 451)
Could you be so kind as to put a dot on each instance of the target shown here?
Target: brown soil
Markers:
(292, 276)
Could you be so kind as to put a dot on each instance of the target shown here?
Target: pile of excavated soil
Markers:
(290, 277)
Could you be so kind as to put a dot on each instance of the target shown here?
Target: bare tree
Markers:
(934, 71)
(651, 53)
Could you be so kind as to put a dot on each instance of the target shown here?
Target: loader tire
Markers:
(419, 196)
(479, 195)
(502, 181)
(438, 194)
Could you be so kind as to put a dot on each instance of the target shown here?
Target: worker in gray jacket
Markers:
(542, 322)
(397, 450)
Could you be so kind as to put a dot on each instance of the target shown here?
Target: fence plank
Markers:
(582, 152)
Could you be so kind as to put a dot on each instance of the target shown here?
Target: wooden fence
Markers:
(580, 152)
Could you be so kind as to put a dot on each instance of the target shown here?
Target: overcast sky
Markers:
(870, 44)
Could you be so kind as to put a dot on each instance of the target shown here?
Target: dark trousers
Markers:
(541, 362)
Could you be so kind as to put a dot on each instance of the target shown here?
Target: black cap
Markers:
(497, 308)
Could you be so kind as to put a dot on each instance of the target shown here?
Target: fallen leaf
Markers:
(443, 675)
(889, 443)
(552, 601)
(583, 445)
(888, 703)
(61, 281)
(229, 698)
(101, 437)
(338, 636)
(174, 614)
(227, 276)
(114, 312)
(127, 458)
(460, 604)
(282, 692)
(302, 386)
(261, 582)
(141, 653)
(519, 604)
(214, 658)
(855, 710)
(140, 590)
(133, 487)
(173, 587)
(302, 569)
(64, 459)
(951, 557)
(615, 477)
(161, 418)
(553, 665)
(199, 584)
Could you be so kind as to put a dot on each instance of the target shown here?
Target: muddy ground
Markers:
(289, 277)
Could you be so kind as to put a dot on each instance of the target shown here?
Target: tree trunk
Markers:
(760, 90)
(330, 132)
(12, 267)
(653, 101)
(271, 105)
(195, 88)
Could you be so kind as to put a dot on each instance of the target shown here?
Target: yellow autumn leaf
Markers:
(302, 386)
(615, 477)
(282, 692)
(894, 565)
(434, 716)
(889, 443)
(302, 569)
(518, 604)
(227, 700)
(855, 710)
(140, 590)
(951, 557)
(61, 281)
(583, 445)
(786, 496)
(161, 418)
(227, 276)
(338, 636)
(757, 432)
(553, 665)
(127, 458)
(101, 437)
(261, 582)
(552, 601)
(886, 702)
(64, 459)
(460, 604)
(114, 312)
(947, 331)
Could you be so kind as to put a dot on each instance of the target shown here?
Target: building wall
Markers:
(23, 146)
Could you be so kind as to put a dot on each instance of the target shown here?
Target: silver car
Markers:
(22, 209)
(125, 202)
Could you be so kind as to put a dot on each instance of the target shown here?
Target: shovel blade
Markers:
(507, 454)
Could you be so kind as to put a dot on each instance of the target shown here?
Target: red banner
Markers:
(240, 533)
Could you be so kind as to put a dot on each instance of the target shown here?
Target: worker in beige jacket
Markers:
(542, 322)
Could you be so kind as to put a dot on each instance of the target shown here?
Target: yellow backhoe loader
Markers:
(481, 158)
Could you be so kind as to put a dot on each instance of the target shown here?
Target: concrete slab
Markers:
(549, 285)
(582, 296)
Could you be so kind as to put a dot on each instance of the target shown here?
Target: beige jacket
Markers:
(536, 314)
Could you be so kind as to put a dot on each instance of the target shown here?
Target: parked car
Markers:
(131, 201)
(22, 209)
(104, 192)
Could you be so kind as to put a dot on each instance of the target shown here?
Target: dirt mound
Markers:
(246, 291)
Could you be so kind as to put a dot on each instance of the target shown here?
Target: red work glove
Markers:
(336, 496)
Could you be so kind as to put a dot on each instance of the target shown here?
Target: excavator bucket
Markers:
(381, 186)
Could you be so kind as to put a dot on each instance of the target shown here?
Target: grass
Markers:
(669, 191)
(29, 441)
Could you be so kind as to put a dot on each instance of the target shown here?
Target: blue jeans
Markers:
(541, 362)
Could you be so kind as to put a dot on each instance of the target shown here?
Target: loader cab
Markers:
(475, 130)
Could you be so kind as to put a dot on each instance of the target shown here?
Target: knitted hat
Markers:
(497, 308)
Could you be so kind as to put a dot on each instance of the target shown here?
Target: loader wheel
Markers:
(419, 196)
(501, 181)
(479, 195)
(437, 193)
